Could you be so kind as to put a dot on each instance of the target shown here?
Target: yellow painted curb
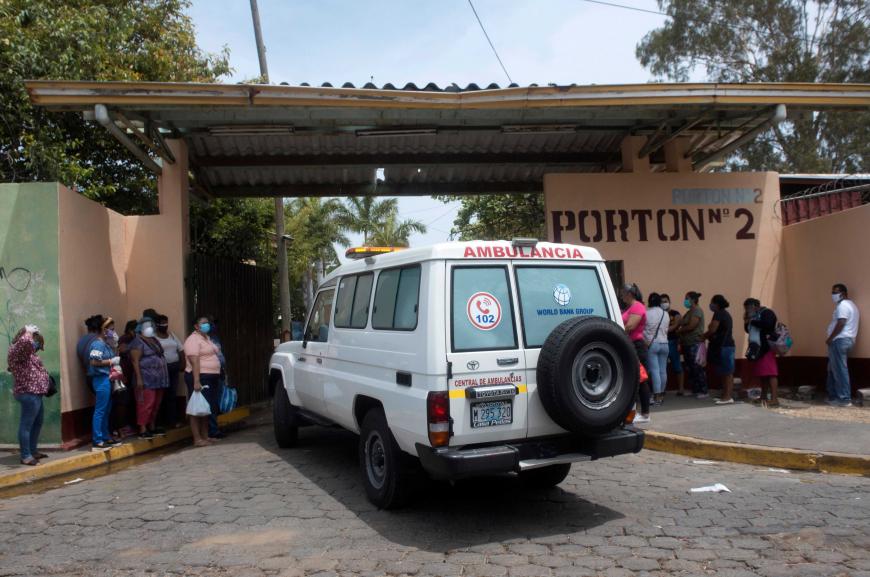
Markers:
(81, 461)
(758, 455)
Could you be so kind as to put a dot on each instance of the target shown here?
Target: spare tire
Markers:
(588, 375)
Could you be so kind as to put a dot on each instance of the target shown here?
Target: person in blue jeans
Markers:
(674, 343)
(655, 335)
(842, 331)
(31, 382)
(101, 358)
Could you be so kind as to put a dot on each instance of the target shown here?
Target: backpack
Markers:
(783, 342)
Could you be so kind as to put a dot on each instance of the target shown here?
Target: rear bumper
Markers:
(456, 463)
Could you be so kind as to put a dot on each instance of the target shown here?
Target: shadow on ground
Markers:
(443, 515)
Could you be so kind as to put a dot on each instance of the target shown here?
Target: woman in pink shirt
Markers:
(202, 374)
(634, 319)
(30, 386)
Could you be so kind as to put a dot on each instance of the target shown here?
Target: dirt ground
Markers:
(823, 412)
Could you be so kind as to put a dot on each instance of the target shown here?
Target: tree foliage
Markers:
(775, 41)
(133, 40)
(498, 216)
(395, 232)
(364, 214)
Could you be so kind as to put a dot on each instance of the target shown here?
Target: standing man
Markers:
(841, 338)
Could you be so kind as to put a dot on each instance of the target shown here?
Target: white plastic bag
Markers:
(197, 406)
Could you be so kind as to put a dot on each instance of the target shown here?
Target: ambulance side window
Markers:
(481, 309)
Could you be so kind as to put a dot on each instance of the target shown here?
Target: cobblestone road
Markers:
(246, 508)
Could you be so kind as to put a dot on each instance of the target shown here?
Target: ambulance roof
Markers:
(472, 250)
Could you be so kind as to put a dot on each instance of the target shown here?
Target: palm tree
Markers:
(394, 233)
(365, 214)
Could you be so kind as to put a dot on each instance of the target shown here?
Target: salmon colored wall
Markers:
(92, 281)
(718, 263)
(819, 253)
(119, 265)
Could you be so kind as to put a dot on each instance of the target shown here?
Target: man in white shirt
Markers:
(841, 338)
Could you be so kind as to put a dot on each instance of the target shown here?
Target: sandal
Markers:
(202, 444)
(31, 462)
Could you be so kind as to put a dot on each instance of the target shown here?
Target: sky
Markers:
(422, 41)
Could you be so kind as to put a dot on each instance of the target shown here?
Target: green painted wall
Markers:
(29, 291)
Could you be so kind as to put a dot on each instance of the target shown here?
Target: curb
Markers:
(82, 461)
(758, 455)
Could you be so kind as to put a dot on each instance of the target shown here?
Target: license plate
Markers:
(491, 414)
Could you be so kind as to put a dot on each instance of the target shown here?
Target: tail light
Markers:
(438, 416)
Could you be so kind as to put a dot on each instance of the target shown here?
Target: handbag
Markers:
(229, 399)
(701, 355)
(52, 387)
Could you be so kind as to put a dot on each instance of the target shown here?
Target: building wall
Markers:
(677, 232)
(819, 253)
(29, 293)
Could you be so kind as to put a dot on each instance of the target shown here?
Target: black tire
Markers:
(545, 477)
(284, 418)
(385, 474)
(588, 375)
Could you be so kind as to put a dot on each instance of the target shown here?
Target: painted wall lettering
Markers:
(667, 224)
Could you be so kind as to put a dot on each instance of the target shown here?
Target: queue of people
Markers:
(133, 377)
(686, 342)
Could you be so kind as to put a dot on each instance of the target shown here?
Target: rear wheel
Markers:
(284, 419)
(386, 476)
(545, 477)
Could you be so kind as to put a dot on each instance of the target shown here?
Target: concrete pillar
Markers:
(174, 202)
(631, 145)
(675, 155)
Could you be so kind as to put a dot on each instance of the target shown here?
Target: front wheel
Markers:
(284, 419)
(385, 476)
(545, 477)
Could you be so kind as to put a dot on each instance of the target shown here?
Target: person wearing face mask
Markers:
(760, 323)
(842, 331)
(634, 320)
(30, 386)
(720, 352)
(203, 374)
(674, 342)
(101, 358)
(92, 324)
(655, 335)
(152, 378)
(691, 330)
(172, 352)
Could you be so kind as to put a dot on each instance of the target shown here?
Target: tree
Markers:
(392, 232)
(234, 228)
(775, 41)
(316, 227)
(498, 216)
(89, 40)
(364, 214)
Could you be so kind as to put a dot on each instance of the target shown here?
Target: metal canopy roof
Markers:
(256, 140)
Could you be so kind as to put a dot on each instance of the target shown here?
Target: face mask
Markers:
(36, 346)
(205, 328)
(687, 303)
(836, 297)
(163, 327)
(148, 332)
(712, 309)
(666, 306)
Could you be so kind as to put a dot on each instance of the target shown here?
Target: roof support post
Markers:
(101, 114)
(631, 161)
(675, 155)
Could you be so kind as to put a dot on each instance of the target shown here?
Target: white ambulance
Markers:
(463, 359)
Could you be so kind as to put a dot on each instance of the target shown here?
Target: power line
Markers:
(614, 5)
(491, 45)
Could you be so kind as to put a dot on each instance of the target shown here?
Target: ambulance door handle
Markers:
(319, 360)
(508, 361)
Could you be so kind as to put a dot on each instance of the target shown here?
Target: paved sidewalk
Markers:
(746, 423)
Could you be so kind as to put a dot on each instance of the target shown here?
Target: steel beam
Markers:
(382, 189)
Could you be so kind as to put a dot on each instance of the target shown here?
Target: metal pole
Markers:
(280, 239)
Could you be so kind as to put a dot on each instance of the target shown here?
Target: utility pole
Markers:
(280, 236)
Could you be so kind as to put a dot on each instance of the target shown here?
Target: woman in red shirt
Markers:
(31, 384)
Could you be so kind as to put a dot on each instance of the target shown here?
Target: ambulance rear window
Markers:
(482, 311)
(552, 294)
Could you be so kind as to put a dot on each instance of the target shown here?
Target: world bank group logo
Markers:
(561, 294)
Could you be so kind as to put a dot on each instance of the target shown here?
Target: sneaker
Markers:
(113, 442)
(843, 404)
(159, 432)
(146, 435)
(640, 420)
(724, 401)
(702, 396)
(100, 447)
(832, 402)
